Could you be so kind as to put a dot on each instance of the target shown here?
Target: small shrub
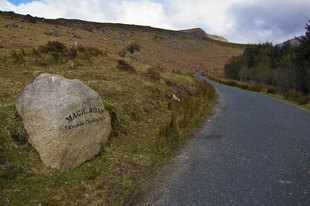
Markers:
(123, 65)
(72, 53)
(152, 74)
(52, 46)
(132, 47)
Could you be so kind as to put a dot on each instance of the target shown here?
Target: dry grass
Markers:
(242, 85)
(174, 50)
(185, 115)
(137, 106)
(291, 95)
(297, 97)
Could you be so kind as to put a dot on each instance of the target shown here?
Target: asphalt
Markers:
(255, 150)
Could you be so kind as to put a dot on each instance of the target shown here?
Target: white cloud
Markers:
(210, 14)
(39, 9)
(143, 13)
(275, 21)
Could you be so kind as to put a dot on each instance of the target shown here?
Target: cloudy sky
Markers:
(240, 21)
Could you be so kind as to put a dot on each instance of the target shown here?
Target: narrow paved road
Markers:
(255, 150)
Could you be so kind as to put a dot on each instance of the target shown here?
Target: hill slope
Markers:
(169, 49)
(137, 90)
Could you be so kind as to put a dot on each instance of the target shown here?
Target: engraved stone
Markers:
(65, 120)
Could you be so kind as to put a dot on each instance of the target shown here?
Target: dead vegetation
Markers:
(123, 65)
(291, 95)
(152, 74)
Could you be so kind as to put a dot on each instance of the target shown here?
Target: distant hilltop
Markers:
(201, 32)
(293, 41)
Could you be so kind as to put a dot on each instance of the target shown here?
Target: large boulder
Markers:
(65, 120)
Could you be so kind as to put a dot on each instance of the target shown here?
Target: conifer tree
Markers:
(303, 52)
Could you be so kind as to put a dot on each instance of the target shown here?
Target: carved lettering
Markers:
(81, 112)
(69, 118)
(85, 111)
(74, 116)
(69, 127)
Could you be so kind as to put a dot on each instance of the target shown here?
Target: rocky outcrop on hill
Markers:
(202, 33)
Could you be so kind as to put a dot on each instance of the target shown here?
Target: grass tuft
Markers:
(123, 65)
(297, 96)
(17, 57)
(184, 115)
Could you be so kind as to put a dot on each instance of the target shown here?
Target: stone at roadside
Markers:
(65, 120)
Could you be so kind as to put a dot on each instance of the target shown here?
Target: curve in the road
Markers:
(254, 151)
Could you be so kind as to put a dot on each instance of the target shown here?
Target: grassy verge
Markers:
(290, 96)
(148, 125)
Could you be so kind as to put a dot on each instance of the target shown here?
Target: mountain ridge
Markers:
(185, 51)
(201, 32)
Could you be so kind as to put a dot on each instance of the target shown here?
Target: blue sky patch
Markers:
(17, 2)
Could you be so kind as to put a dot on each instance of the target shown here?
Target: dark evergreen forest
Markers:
(285, 67)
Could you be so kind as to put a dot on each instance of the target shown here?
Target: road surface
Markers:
(255, 150)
